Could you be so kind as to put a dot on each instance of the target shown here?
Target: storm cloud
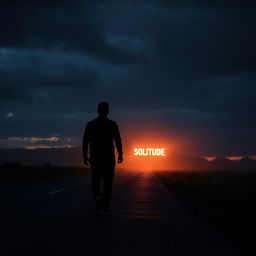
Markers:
(188, 67)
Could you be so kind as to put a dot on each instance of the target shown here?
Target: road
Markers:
(56, 218)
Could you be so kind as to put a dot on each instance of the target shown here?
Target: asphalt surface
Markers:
(57, 218)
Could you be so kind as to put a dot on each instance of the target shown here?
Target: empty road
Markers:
(56, 218)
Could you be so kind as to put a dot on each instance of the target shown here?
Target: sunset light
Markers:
(148, 151)
(128, 127)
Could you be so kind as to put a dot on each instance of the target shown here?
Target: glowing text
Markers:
(149, 151)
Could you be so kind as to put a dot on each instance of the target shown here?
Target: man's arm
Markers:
(118, 143)
(86, 140)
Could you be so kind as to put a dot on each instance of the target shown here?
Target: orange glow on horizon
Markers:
(41, 146)
(234, 158)
(148, 152)
(210, 158)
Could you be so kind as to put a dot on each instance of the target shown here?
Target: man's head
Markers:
(103, 108)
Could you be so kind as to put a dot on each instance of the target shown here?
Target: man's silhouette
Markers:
(102, 135)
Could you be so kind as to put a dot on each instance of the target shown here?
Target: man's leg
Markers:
(108, 176)
(96, 178)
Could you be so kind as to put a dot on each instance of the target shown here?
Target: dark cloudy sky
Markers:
(186, 68)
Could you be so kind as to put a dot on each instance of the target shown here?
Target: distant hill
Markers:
(73, 157)
(185, 162)
(53, 156)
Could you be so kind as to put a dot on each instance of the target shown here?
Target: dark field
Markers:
(225, 199)
(15, 173)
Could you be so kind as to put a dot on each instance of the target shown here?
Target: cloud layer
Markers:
(186, 68)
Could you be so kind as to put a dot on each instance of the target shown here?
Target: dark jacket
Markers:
(101, 135)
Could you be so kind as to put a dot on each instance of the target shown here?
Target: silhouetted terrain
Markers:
(225, 199)
(73, 157)
(53, 156)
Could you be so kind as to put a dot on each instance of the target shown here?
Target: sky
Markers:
(181, 71)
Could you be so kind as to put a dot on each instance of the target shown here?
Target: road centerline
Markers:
(55, 191)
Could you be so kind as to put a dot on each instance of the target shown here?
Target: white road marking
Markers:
(55, 191)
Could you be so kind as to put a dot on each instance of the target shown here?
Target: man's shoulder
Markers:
(92, 121)
(96, 121)
(111, 121)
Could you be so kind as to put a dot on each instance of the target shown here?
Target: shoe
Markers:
(105, 211)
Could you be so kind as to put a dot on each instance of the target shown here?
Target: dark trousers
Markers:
(101, 180)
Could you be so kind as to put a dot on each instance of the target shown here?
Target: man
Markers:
(102, 135)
